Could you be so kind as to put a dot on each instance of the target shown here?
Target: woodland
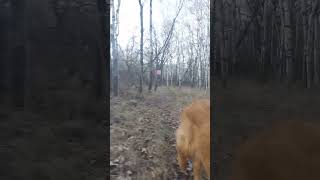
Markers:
(268, 40)
(160, 67)
(53, 89)
(265, 69)
(176, 53)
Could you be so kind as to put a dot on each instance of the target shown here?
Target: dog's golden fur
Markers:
(289, 151)
(193, 137)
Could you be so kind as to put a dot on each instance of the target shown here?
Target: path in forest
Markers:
(142, 134)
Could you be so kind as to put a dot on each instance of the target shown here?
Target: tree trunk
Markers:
(194, 72)
(309, 42)
(234, 36)
(156, 78)
(305, 39)
(297, 56)
(141, 49)
(272, 46)
(151, 53)
(308, 55)
(263, 54)
(316, 51)
(167, 77)
(288, 40)
(115, 69)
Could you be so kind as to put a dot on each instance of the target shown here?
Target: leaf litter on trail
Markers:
(148, 139)
(117, 161)
(145, 153)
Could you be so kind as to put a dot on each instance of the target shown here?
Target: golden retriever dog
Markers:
(289, 151)
(193, 137)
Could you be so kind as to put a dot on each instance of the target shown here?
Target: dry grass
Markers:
(142, 133)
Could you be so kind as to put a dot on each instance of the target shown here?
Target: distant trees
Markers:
(270, 39)
(177, 51)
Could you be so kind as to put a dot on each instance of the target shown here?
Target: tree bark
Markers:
(151, 53)
(272, 46)
(297, 56)
(309, 42)
(141, 49)
(305, 39)
(316, 51)
(263, 54)
(234, 36)
(115, 69)
(288, 40)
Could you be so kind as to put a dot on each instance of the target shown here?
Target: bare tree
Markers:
(279, 39)
(315, 5)
(151, 53)
(162, 51)
(141, 48)
(316, 49)
(180, 54)
(288, 35)
(263, 54)
(114, 44)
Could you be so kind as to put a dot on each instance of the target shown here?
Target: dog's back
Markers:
(289, 151)
(193, 137)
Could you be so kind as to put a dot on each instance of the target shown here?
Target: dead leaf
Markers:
(129, 172)
(144, 150)
(121, 159)
(131, 137)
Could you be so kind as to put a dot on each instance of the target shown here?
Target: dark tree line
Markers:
(268, 39)
(53, 54)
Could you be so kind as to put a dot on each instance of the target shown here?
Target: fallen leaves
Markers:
(143, 144)
(145, 153)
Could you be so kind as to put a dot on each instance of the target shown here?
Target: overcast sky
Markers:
(130, 17)
(162, 11)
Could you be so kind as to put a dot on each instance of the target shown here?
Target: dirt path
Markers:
(142, 134)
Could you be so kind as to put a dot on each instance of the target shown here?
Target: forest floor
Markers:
(142, 132)
(247, 107)
(35, 146)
